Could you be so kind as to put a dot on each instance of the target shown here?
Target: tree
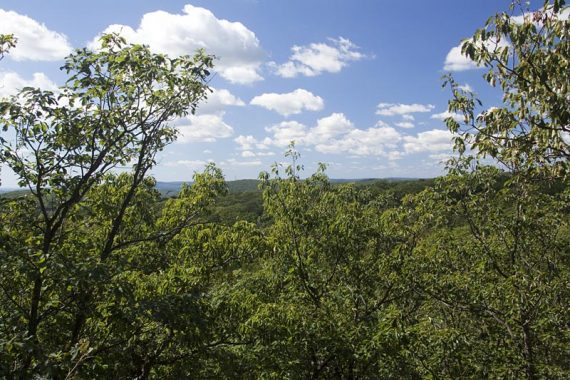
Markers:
(528, 57)
(320, 301)
(7, 42)
(491, 266)
(113, 111)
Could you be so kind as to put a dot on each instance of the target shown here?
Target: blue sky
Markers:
(355, 83)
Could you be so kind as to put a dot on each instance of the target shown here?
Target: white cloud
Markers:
(249, 142)
(368, 142)
(249, 153)
(465, 87)
(234, 162)
(35, 41)
(11, 83)
(331, 126)
(245, 74)
(408, 117)
(395, 155)
(529, 17)
(317, 58)
(290, 103)
(191, 164)
(405, 124)
(238, 49)
(203, 128)
(287, 131)
(391, 109)
(456, 61)
(245, 142)
(208, 124)
(336, 134)
(327, 128)
(217, 100)
(429, 141)
(446, 114)
(440, 157)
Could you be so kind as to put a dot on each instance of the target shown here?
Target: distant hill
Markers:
(13, 193)
(171, 189)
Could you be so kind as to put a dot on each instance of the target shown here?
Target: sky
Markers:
(356, 84)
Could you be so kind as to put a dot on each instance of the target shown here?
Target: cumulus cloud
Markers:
(440, 157)
(395, 155)
(287, 131)
(249, 142)
(529, 17)
(289, 103)
(391, 109)
(329, 127)
(455, 60)
(238, 49)
(363, 142)
(203, 128)
(11, 83)
(191, 164)
(446, 114)
(217, 101)
(234, 162)
(465, 87)
(405, 124)
(208, 124)
(429, 141)
(35, 41)
(336, 134)
(317, 58)
(249, 153)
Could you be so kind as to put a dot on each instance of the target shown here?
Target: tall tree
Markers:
(528, 57)
(320, 302)
(491, 266)
(113, 111)
(493, 263)
(7, 42)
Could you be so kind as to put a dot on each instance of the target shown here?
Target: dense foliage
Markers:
(465, 276)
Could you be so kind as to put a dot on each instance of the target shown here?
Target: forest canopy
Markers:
(464, 276)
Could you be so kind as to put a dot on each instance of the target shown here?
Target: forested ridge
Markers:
(462, 276)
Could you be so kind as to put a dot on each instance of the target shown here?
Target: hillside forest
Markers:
(463, 276)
